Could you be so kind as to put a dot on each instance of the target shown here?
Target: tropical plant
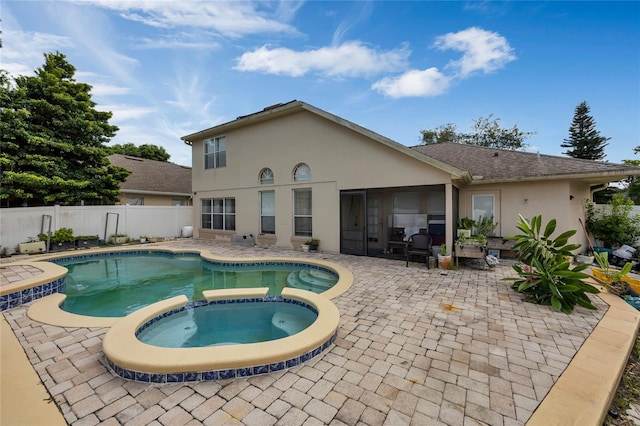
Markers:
(466, 223)
(614, 225)
(485, 226)
(545, 276)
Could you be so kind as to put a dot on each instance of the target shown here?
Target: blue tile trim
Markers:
(20, 297)
(197, 376)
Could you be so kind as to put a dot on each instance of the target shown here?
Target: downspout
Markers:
(597, 188)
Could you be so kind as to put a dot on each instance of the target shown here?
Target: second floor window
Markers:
(215, 153)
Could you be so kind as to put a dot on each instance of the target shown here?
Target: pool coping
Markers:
(123, 349)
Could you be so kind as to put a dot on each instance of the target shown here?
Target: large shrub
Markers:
(614, 225)
(545, 276)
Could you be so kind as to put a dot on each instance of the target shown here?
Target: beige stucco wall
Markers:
(552, 199)
(154, 200)
(338, 157)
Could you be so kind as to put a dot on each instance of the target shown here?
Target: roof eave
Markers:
(595, 177)
(145, 192)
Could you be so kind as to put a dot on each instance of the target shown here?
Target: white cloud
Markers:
(482, 50)
(231, 19)
(349, 59)
(124, 113)
(414, 83)
(108, 90)
(22, 51)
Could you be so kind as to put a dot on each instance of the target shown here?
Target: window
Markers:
(215, 153)
(301, 173)
(483, 206)
(268, 212)
(302, 213)
(135, 201)
(219, 213)
(266, 176)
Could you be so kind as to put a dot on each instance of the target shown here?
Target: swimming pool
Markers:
(132, 359)
(116, 284)
(213, 323)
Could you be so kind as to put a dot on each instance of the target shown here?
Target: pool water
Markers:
(225, 324)
(116, 285)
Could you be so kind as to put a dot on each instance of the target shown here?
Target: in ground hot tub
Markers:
(297, 326)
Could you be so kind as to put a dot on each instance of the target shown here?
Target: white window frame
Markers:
(266, 176)
(267, 214)
(474, 212)
(302, 215)
(215, 152)
(302, 173)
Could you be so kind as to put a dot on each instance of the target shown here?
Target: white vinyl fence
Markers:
(17, 225)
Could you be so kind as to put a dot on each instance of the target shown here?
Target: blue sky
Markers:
(170, 68)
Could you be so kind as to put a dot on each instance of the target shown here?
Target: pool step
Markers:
(290, 324)
(309, 281)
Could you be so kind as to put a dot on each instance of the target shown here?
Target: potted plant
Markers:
(444, 259)
(615, 280)
(119, 239)
(313, 244)
(465, 225)
(62, 239)
(32, 246)
(87, 241)
(143, 238)
(485, 226)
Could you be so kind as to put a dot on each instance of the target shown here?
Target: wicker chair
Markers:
(418, 245)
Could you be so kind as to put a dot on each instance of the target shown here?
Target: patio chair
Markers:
(418, 245)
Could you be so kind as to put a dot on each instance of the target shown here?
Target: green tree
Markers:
(633, 183)
(52, 140)
(486, 131)
(584, 140)
(148, 151)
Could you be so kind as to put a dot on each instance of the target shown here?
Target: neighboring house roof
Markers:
(279, 110)
(153, 177)
(501, 165)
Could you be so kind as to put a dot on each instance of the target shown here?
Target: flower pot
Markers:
(305, 247)
(444, 261)
(32, 247)
(583, 258)
(87, 242)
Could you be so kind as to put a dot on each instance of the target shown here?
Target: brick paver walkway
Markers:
(415, 347)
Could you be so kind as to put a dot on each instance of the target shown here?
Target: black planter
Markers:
(62, 246)
(87, 242)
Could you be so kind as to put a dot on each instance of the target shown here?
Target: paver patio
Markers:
(415, 346)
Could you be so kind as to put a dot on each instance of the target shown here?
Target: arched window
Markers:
(266, 176)
(301, 173)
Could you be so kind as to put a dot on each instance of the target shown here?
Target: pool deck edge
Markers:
(24, 399)
(583, 393)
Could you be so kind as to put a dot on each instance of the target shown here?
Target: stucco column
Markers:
(449, 220)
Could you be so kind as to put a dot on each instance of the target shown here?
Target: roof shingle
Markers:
(155, 176)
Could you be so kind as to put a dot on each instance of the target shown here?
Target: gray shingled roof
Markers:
(506, 165)
(153, 176)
